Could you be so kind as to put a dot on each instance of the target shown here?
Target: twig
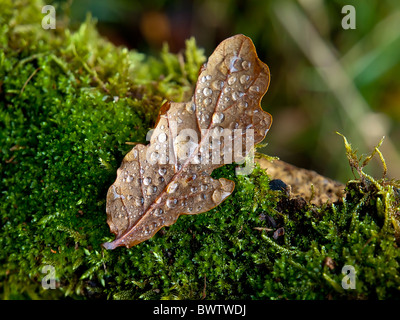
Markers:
(29, 79)
(262, 229)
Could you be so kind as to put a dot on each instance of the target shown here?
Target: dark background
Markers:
(323, 78)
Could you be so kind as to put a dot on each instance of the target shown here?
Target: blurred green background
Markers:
(323, 78)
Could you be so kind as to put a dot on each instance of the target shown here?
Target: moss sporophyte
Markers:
(63, 137)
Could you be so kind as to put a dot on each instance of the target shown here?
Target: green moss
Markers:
(69, 102)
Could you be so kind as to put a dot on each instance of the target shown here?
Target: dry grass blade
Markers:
(171, 176)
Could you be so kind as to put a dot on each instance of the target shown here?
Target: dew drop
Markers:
(191, 107)
(216, 196)
(255, 88)
(203, 79)
(147, 181)
(154, 156)
(218, 84)
(243, 105)
(152, 189)
(207, 92)
(237, 95)
(232, 67)
(139, 201)
(207, 101)
(227, 89)
(172, 187)
(161, 179)
(162, 171)
(231, 80)
(208, 77)
(162, 137)
(129, 178)
(171, 203)
(218, 117)
(246, 65)
(244, 78)
(218, 130)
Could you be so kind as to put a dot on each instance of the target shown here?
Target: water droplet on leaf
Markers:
(218, 117)
(191, 107)
(172, 187)
(147, 181)
(207, 92)
(231, 80)
(162, 137)
(246, 65)
(171, 203)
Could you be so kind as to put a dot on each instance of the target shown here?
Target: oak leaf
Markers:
(170, 176)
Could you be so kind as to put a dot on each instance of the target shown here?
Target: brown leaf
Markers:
(278, 233)
(171, 175)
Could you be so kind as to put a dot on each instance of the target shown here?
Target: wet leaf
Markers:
(171, 175)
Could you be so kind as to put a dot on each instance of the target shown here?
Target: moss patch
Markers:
(69, 102)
